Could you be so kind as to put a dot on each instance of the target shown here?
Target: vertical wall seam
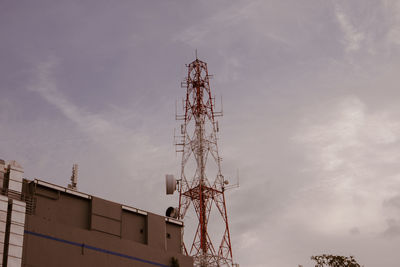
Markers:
(7, 233)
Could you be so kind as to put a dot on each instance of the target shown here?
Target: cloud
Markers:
(355, 231)
(46, 87)
(118, 150)
(393, 35)
(351, 154)
(373, 28)
(100, 130)
(393, 202)
(393, 228)
(349, 131)
(352, 36)
(196, 34)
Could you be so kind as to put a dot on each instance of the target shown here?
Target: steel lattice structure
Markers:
(199, 143)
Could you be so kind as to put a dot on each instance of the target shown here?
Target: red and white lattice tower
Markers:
(198, 142)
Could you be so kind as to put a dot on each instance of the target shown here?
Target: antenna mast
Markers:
(74, 177)
(198, 142)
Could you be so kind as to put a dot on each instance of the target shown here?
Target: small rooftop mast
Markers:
(74, 177)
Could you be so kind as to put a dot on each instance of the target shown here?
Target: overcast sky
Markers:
(311, 112)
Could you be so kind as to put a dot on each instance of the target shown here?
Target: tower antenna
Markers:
(200, 184)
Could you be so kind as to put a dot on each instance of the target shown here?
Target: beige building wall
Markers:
(46, 225)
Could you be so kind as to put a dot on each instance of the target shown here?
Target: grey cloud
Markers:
(393, 229)
(393, 202)
(355, 231)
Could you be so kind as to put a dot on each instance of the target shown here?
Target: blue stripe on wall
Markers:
(94, 248)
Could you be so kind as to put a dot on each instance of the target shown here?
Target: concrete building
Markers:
(43, 224)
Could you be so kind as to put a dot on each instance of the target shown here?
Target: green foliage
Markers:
(325, 260)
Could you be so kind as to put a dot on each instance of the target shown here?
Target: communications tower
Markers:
(202, 183)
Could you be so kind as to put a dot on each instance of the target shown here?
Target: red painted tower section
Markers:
(198, 143)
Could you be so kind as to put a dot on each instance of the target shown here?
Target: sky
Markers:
(311, 112)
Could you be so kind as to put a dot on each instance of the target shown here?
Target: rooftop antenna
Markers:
(196, 54)
(74, 177)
